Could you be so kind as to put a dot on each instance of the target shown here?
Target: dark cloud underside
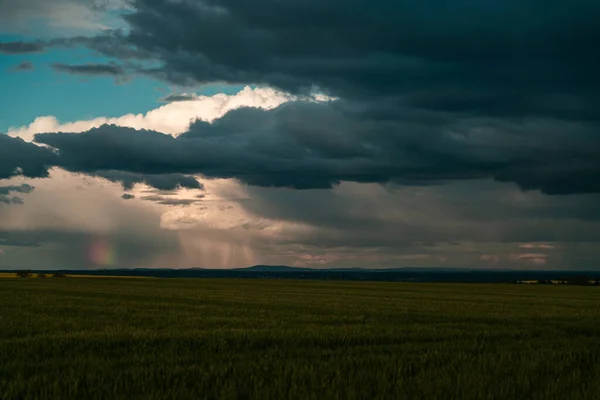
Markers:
(161, 182)
(90, 69)
(178, 97)
(20, 157)
(309, 145)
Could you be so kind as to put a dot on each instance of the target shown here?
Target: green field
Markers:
(275, 339)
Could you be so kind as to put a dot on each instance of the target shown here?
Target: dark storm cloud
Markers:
(18, 157)
(90, 69)
(161, 182)
(468, 55)
(311, 145)
(430, 93)
(178, 97)
(22, 47)
(486, 58)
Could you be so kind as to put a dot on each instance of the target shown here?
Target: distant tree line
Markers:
(29, 274)
(576, 280)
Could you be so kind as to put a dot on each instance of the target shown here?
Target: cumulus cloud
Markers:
(173, 118)
(309, 145)
(463, 56)
(18, 157)
(410, 111)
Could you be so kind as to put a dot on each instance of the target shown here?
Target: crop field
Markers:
(70, 338)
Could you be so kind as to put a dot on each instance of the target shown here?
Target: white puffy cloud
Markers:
(173, 118)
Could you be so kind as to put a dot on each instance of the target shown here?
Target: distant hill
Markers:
(272, 268)
(287, 268)
(349, 274)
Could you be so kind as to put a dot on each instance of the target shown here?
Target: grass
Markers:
(268, 339)
(106, 276)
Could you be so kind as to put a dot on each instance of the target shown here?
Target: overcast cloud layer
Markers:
(487, 112)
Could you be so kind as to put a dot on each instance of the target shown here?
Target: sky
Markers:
(373, 134)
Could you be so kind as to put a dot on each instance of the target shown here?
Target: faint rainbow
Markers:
(102, 252)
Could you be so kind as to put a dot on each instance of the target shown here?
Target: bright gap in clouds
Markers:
(74, 221)
(173, 118)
